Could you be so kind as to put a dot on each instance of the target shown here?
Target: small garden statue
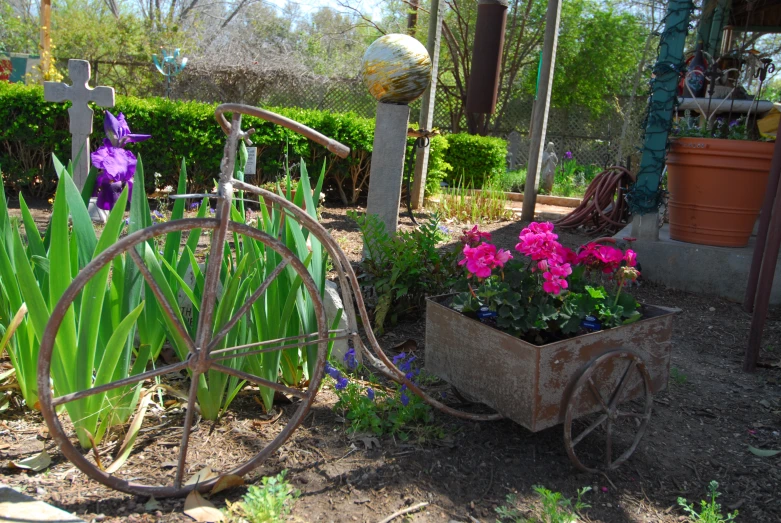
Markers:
(548, 171)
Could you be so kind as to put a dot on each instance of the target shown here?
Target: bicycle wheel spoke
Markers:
(150, 280)
(130, 380)
(188, 421)
(246, 307)
(590, 429)
(259, 381)
(223, 356)
(609, 443)
(621, 384)
(622, 414)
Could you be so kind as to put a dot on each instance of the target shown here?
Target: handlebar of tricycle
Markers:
(335, 147)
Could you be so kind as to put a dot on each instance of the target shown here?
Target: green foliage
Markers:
(36, 128)
(270, 503)
(381, 411)
(466, 205)
(690, 126)
(475, 159)
(93, 344)
(401, 270)
(555, 507)
(573, 178)
(710, 511)
(678, 376)
(512, 181)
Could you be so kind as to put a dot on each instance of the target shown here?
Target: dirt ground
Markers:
(701, 429)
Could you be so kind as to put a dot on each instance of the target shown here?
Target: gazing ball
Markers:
(396, 68)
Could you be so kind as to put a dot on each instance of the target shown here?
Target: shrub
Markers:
(34, 129)
(401, 270)
(475, 159)
(512, 181)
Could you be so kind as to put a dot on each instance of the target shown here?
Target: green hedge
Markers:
(33, 129)
(475, 159)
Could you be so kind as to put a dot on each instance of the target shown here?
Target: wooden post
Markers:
(427, 104)
(541, 107)
(45, 45)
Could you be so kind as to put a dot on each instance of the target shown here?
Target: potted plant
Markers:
(525, 325)
(716, 177)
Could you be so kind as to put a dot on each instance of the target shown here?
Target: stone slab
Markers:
(701, 269)
(18, 507)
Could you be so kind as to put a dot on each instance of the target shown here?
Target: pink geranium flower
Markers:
(473, 237)
(481, 260)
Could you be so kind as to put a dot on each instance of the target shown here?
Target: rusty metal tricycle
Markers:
(587, 389)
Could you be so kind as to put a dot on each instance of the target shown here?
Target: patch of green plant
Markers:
(512, 181)
(555, 508)
(466, 205)
(382, 411)
(678, 377)
(401, 270)
(270, 503)
(710, 511)
(572, 178)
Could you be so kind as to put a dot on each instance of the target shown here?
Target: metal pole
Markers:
(764, 225)
(427, 103)
(764, 283)
(541, 107)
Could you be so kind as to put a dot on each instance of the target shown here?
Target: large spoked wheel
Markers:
(168, 433)
(608, 411)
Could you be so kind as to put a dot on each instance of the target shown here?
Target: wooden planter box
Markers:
(531, 384)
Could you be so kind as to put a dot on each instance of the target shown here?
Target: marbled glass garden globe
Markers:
(396, 68)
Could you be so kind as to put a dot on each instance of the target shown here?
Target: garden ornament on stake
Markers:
(170, 66)
(79, 94)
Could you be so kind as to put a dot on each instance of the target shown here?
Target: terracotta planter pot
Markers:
(716, 189)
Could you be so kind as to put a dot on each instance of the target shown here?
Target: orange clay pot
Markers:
(716, 189)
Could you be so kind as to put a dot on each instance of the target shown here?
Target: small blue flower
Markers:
(404, 399)
(444, 229)
(349, 359)
(370, 393)
(333, 372)
(341, 383)
(195, 205)
(127, 221)
(399, 357)
(211, 210)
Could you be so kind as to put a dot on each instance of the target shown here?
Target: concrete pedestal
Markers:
(387, 167)
(702, 269)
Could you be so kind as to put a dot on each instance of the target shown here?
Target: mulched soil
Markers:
(700, 431)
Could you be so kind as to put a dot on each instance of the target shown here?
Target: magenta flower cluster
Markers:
(538, 242)
(605, 257)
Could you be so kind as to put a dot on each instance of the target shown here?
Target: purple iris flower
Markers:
(333, 372)
(195, 205)
(341, 384)
(370, 393)
(118, 132)
(568, 155)
(733, 123)
(404, 399)
(117, 165)
(399, 357)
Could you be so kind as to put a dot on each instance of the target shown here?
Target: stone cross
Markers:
(80, 93)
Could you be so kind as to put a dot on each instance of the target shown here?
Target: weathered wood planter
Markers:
(542, 386)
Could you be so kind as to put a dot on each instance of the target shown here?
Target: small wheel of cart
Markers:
(607, 411)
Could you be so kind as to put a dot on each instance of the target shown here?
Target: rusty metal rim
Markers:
(101, 261)
(611, 408)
